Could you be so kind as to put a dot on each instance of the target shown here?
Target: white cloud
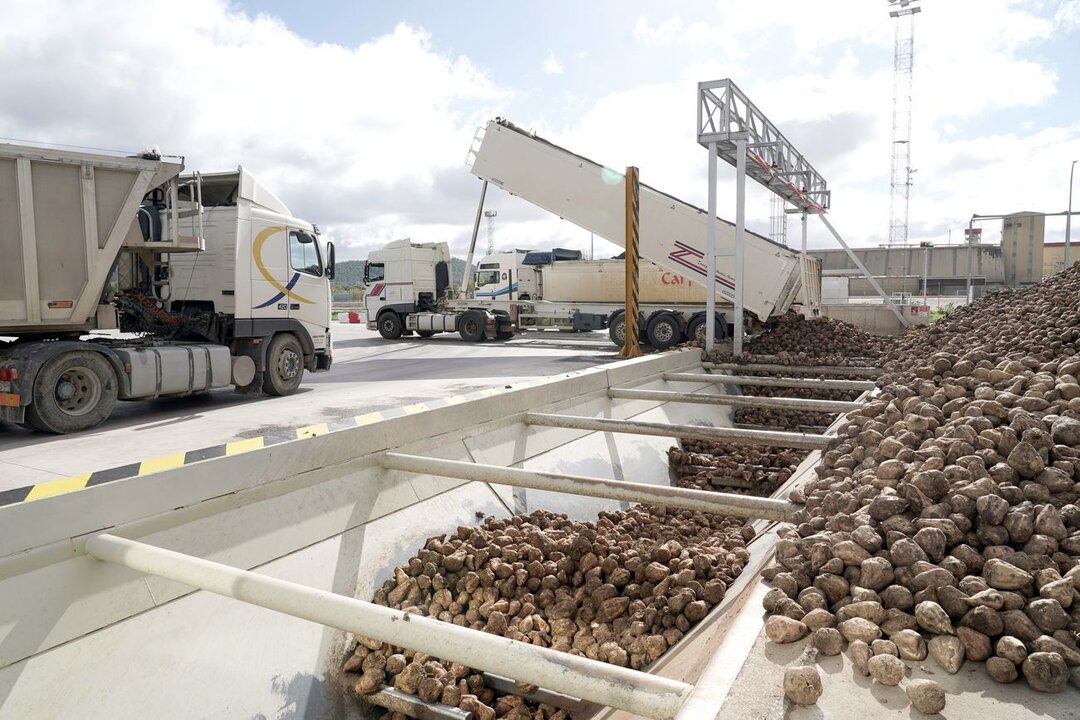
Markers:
(552, 66)
(329, 128)
(1068, 14)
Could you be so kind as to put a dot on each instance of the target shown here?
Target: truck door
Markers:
(270, 272)
(306, 282)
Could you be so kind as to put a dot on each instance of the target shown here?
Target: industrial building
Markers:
(1022, 258)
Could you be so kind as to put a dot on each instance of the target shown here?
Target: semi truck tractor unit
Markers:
(407, 290)
(204, 281)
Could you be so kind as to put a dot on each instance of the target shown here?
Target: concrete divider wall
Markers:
(320, 511)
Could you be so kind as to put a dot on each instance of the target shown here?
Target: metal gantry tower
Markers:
(903, 12)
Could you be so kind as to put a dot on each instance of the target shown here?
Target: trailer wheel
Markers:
(73, 391)
(471, 326)
(284, 365)
(390, 326)
(664, 331)
(425, 333)
(696, 329)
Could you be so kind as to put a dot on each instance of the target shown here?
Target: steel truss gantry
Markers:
(731, 127)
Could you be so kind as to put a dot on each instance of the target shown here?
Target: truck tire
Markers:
(664, 331)
(696, 329)
(73, 391)
(284, 365)
(471, 326)
(617, 328)
(390, 325)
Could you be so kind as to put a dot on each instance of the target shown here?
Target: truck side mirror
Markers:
(331, 261)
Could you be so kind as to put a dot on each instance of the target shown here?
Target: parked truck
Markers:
(524, 289)
(567, 292)
(208, 279)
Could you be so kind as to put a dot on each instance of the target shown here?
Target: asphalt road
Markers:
(369, 374)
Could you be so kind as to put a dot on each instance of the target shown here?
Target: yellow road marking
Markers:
(369, 418)
(58, 487)
(413, 409)
(312, 430)
(242, 446)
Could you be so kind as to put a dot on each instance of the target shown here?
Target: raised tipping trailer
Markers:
(96, 585)
(672, 232)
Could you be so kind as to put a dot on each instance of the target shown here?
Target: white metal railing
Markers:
(649, 695)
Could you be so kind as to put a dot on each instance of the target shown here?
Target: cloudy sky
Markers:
(359, 114)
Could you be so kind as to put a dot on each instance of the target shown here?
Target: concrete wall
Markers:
(901, 269)
(876, 319)
(1054, 254)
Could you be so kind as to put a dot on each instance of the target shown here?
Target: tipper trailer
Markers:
(525, 290)
(566, 292)
(209, 276)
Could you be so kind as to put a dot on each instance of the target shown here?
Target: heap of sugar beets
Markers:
(794, 340)
(621, 590)
(943, 520)
(733, 467)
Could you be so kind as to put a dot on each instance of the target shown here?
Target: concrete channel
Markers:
(287, 542)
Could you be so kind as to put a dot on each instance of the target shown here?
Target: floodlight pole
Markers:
(710, 257)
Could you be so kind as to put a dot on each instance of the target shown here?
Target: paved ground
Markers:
(369, 374)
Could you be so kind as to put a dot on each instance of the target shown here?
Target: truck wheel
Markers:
(74, 391)
(617, 329)
(390, 326)
(425, 333)
(471, 326)
(284, 365)
(663, 331)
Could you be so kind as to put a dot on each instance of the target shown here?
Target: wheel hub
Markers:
(288, 365)
(78, 391)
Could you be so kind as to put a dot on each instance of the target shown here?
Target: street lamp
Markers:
(1068, 214)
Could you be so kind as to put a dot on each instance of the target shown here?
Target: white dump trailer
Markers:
(558, 289)
(207, 281)
(672, 232)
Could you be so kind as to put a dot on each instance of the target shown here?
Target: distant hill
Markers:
(350, 273)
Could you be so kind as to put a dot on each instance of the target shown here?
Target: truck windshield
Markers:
(487, 277)
(304, 255)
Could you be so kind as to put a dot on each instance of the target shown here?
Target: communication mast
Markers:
(903, 12)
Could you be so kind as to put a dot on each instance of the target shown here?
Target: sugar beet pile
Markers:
(942, 525)
(944, 518)
(622, 590)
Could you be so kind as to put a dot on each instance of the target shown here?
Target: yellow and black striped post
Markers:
(633, 255)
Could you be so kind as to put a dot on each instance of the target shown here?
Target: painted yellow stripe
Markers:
(242, 446)
(413, 409)
(369, 418)
(489, 392)
(456, 399)
(58, 487)
(165, 462)
(312, 430)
